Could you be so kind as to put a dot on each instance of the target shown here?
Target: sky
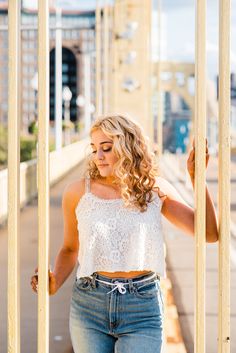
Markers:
(178, 29)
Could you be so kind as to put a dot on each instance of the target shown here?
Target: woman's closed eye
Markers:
(104, 150)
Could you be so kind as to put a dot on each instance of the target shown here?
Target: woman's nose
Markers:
(100, 154)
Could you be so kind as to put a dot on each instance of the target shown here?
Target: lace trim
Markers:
(157, 200)
(87, 184)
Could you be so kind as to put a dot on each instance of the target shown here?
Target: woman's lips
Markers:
(103, 165)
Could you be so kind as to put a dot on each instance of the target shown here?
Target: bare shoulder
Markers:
(73, 191)
(160, 188)
(166, 188)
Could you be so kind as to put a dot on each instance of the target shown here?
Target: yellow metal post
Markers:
(13, 177)
(149, 117)
(43, 175)
(118, 23)
(98, 58)
(224, 178)
(105, 55)
(159, 104)
(200, 176)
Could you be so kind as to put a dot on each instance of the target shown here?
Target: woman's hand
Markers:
(52, 282)
(191, 160)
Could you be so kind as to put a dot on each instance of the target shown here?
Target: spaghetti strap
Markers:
(87, 184)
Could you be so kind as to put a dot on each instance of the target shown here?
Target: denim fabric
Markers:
(102, 321)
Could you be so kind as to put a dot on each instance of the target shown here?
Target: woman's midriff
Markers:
(123, 274)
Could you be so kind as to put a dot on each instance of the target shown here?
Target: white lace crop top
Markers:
(114, 238)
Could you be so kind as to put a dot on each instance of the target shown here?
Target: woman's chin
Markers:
(105, 173)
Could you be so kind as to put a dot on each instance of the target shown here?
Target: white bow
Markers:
(120, 286)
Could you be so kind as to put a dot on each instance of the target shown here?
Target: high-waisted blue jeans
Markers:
(108, 319)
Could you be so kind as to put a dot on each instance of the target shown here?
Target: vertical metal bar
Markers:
(200, 175)
(110, 53)
(146, 10)
(159, 104)
(98, 58)
(224, 178)
(120, 10)
(58, 81)
(152, 90)
(113, 57)
(43, 175)
(13, 177)
(87, 93)
(106, 55)
(117, 18)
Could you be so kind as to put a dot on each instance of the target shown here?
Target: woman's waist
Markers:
(123, 274)
(133, 276)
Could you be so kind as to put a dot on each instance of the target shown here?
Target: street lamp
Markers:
(89, 109)
(67, 95)
(34, 85)
(80, 101)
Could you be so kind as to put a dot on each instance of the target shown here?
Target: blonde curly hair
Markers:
(136, 168)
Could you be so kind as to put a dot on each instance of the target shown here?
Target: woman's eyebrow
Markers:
(101, 143)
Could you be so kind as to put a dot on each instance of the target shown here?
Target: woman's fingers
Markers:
(52, 281)
(34, 283)
(191, 155)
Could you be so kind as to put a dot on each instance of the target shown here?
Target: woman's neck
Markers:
(110, 180)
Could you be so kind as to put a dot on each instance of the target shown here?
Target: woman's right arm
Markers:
(67, 256)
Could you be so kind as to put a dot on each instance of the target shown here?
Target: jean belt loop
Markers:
(93, 281)
(131, 286)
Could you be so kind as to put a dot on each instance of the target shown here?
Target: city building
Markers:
(78, 41)
(176, 123)
(233, 106)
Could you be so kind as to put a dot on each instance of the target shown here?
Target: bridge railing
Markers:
(43, 176)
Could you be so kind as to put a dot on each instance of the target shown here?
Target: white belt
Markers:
(121, 286)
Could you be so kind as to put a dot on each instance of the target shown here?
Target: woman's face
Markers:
(103, 156)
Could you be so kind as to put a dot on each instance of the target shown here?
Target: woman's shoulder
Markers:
(161, 187)
(75, 186)
(165, 188)
(74, 190)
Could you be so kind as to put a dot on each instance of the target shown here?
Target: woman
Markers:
(112, 225)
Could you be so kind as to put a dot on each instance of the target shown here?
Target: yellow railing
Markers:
(98, 58)
(224, 178)
(200, 193)
(13, 178)
(43, 171)
(43, 176)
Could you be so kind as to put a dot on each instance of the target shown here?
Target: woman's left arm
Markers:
(212, 234)
(179, 213)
